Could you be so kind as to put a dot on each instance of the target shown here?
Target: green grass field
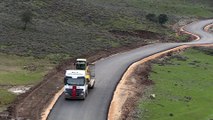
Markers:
(16, 71)
(183, 88)
(5, 98)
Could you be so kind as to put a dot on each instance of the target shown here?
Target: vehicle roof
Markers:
(81, 59)
(75, 73)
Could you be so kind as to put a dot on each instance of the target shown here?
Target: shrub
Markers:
(162, 19)
(26, 17)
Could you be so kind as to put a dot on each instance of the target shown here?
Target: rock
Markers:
(152, 96)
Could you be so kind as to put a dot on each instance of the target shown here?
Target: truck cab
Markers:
(75, 84)
(81, 64)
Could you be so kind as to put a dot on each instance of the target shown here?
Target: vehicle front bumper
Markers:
(69, 96)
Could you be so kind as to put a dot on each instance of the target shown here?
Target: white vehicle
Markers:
(76, 84)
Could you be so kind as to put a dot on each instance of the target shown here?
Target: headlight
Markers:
(82, 93)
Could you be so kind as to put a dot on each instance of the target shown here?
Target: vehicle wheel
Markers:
(92, 86)
(85, 95)
(87, 92)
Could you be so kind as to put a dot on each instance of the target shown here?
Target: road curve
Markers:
(108, 73)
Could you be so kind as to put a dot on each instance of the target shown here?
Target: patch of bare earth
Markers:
(137, 87)
(19, 89)
(148, 36)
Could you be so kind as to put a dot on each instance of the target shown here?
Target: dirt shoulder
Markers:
(211, 29)
(129, 92)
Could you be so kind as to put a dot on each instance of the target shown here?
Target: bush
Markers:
(26, 17)
(162, 18)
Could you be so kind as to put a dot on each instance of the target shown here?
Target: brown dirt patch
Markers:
(141, 87)
(147, 35)
(137, 33)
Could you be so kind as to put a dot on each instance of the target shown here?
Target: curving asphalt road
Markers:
(108, 74)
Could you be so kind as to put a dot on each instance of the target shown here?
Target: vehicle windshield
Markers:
(81, 65)
(74, 81)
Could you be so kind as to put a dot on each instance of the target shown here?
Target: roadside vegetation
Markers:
(5, 99)
(182, 85)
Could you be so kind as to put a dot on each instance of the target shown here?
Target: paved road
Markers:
(108, 74)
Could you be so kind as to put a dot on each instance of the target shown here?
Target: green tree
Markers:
(162, 19)
(26, 17)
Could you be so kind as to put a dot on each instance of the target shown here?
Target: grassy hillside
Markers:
(198, 8)
(67, 28)
(183, 86)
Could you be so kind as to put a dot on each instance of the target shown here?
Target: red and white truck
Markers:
(77, 82)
